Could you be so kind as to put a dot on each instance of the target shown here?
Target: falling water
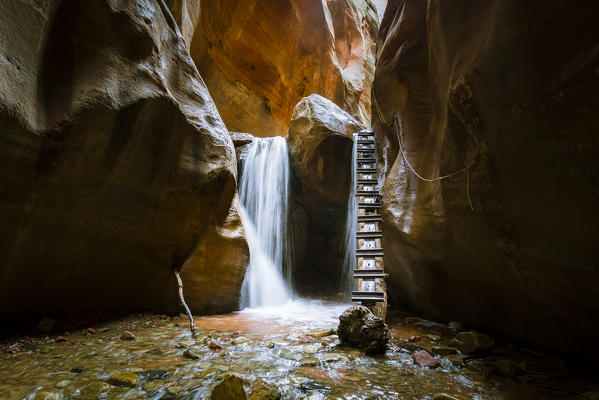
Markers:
(351, 227)
(264, 193)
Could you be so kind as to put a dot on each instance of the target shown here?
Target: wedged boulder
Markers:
(502, 94)
(260, 59)
(320, 142)
(116, 162)
(359, 327)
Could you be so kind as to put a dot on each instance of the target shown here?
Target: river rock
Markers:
(64, 383)
(445, 396)
(424, 359)
(443, 350)
(230, 388)
(190, 354)
(508, 368)
(359, 327)
(124, 378)
(94, 390)
(127, 336)
(258, 71)
(260, 390)
(309, 362)
(472, 342)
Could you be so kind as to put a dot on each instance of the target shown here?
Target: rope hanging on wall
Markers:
(394, 124)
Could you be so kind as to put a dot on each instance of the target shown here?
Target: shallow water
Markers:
(282, 346)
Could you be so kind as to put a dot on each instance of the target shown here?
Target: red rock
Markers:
(92, 331)
(413, 339)
(215, 346)
(127, 336)
(425, 360)
(61, 339)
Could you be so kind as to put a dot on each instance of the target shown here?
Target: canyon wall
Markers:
(116, 166)
(259, 59)
(503, 94)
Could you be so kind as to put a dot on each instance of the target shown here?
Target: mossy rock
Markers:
(93, 391)
(263, 391)
(231, 388)
(125, 378)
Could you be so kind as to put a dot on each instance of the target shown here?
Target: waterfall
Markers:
(348, 245)
(263, 191)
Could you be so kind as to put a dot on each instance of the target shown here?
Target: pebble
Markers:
(425, 360)
(191, 355)
(334, 357)
(153, 385)
(309, 362)
(153, 374)
(214, 346)
(124, 378)
(174, 389)
(127, 336)
(443, 350)
(93, 390)
(63, 384)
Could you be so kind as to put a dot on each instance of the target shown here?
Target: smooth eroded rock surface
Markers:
(359, 327)
(260, 58)
(116, 163)
(508, 89)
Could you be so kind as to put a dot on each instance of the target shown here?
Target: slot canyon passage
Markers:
(299, 199)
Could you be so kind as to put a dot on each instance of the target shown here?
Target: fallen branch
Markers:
(182, 299)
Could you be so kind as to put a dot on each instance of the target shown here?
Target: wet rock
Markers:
(191, 355)
(126, 335)
(174, 389)
(63, 384)
(311, 349)
(215, 346)
(334, 357)
(445, 396)
(270, 345)
(93, 390)
(47, 395)
(320, 334)
(153, 385)
(508, 368)
(124, 378)
(359, 327)
(443, 350)
(91, 330)
(153, 374)
(309, 362)
(77, 370)
(230, 388)
(261, 390)
(46, 325)
(241, 139)
(472, 342)
(456, 326)
(289, 354)
(425, 360)
(61, 339)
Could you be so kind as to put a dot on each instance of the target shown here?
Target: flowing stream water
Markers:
(264, 192)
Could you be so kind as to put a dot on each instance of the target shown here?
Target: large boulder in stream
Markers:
(359, 327)
(116, 166)
(504, 93)
(320, 144)
(260, 58)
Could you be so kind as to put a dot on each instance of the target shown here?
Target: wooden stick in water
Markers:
(182, 299)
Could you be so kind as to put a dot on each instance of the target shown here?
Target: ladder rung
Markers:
(369, 253)
(368, 296)
(369, 274)
(370, 218)
(366, 159)
(367, 181)
(367, 192)
(369, 205)
(365, 141)
(366, 170)
(371, 234)
(365, 133)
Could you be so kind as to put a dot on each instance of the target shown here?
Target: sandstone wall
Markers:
(115, 162)
(260, 58)
(510, 88)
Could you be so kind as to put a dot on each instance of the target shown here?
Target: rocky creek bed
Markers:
(269, 355)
